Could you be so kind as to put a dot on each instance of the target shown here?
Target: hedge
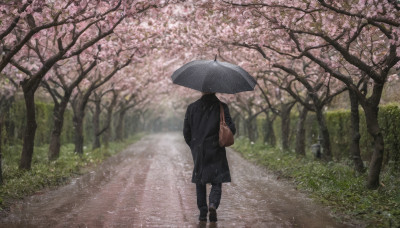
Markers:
(15, 122)
(339, 124)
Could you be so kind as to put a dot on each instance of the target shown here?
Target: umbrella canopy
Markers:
(213, 76)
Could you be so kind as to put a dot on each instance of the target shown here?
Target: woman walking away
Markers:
(201, 130)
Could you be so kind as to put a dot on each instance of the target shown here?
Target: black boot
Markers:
(213, 213)
(203, 214)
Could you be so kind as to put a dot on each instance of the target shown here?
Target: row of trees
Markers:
(304, 52)
(80, 52)
(325, 48)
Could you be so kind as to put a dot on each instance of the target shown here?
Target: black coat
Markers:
(201, 130)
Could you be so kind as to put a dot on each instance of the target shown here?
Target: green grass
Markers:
(334, 184)
(18, 184)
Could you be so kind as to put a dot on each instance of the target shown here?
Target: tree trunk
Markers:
(144, 123)
(5, 104)
(285, 124)
(120, 126)
(58, 114)
(251, 132)
(78, 106)
(96, 124)
(371, 115)
(107, 133)
(107, 136)
(301, 132)
(269, 133)
(236, 120)
(30, 131)
(78, 124)
(1, 152)
(324, 133)
(355, 132)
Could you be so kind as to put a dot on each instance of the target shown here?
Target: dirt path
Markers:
(148, 185)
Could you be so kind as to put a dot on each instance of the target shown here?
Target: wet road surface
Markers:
(148, 185)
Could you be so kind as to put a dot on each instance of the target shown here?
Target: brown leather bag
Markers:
(225, 133)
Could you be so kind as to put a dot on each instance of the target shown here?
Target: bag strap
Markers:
(221, 114)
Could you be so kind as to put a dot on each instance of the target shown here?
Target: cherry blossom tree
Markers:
(102, 74)
(147, 86)
(60, 87)
(320, 91)
(274, 86)
(97, 101)
(110, 103)
(74, 27)
(363, 35)
(36, 73)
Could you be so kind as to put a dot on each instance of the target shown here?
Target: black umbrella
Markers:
(213, 76)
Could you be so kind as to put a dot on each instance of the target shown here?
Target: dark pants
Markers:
(214, 197)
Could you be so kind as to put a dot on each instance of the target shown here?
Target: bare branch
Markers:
(21, 68)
